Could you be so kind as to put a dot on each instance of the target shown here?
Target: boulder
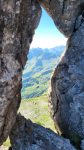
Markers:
(26, 135)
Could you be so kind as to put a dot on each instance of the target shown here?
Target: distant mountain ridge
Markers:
(38, 70)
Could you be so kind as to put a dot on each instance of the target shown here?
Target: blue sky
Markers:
(47, 35)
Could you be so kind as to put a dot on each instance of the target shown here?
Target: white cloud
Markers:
(47, 42)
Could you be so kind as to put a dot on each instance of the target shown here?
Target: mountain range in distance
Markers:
(38, 70)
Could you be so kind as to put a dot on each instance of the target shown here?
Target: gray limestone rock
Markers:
(18, 20)
(67, 89)
(64, 13)
(82, 145)
(26, 135)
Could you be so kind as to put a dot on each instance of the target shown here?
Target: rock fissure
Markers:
(64, 1)
(18, 21)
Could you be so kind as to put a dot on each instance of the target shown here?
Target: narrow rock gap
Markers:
(46, 50)
(70, 101)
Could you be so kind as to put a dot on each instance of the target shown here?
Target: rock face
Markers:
(26, 135)
(64, 13)
(67, 89)
(82, 144)
(18, 20)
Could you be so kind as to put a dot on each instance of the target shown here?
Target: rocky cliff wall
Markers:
(18, 20)
(67, 89)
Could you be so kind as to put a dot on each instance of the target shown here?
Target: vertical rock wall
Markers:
(67, 88)
(18, 20)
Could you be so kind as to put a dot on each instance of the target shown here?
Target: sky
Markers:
(47, 35)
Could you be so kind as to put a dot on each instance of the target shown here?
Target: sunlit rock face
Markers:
(26, 135)
(67, 89)
(64, 13)
(18, 20)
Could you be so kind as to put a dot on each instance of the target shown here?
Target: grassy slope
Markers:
(37, 110)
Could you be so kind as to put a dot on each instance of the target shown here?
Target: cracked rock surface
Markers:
(26, 135)
(18, 20)
(67, 89)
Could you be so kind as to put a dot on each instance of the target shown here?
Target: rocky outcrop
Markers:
(64, 13)
(26, 135)
(18, 20)
(67, 89)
